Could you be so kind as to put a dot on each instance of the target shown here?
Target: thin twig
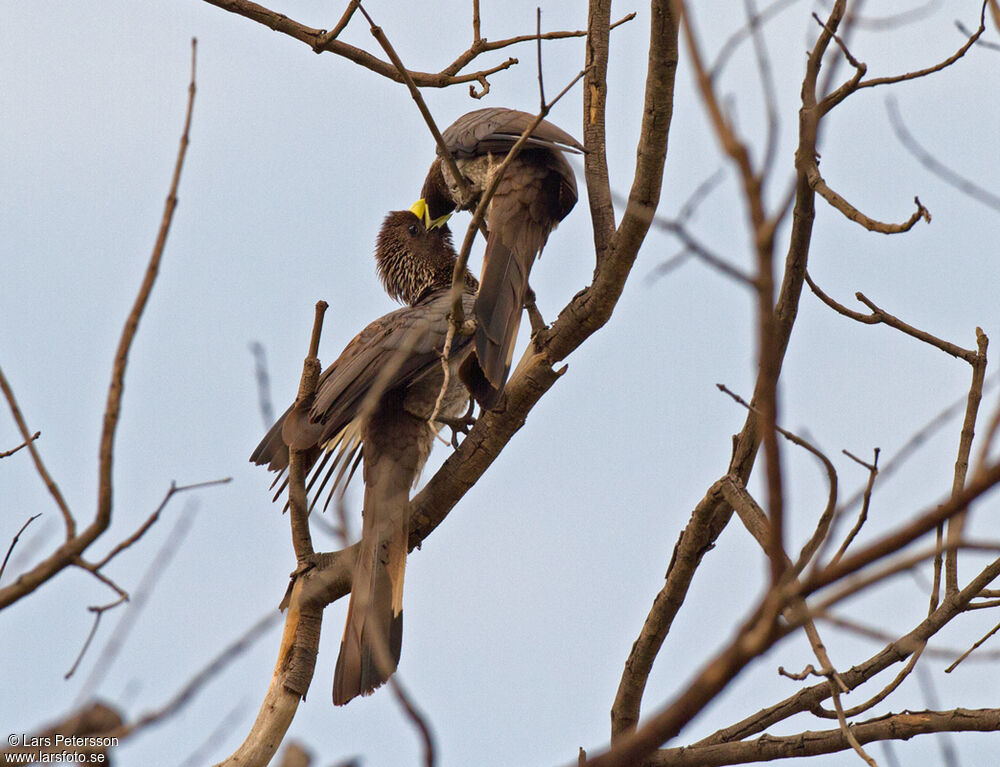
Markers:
(15, 539)
(825, 519)
(866, 501)
(729, 47)
(32, 438)
(324, 40)
(405, 74)
(36, 457)
(157, 566)
(884, 636)
(972, 649)
(944, 64)
(880, 316)
(320, 39)
(766, 76)
(894, 21)
(98, 611)
(769, 347)
(151, 520)
(418, 719)
(541, 80)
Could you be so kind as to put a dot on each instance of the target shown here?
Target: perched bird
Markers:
(537, 191)
(378, 398)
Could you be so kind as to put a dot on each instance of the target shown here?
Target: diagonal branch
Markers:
(29, 442)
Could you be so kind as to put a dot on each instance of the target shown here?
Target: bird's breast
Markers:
(478, 171)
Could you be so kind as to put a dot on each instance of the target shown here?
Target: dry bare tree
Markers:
(838, 559)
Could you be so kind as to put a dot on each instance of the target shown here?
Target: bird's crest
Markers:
(421, 211)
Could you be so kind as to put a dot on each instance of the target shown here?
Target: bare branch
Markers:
(944, 64)
(151, 520)
(956, 524)
(32, 438)
(825, 519)
(972, 649)
(418, 719)
(866, 501)
(407, 78)
(807, 699)
(880, 316)
(29, 442)
(324, 40)
(320, 41)
(98, 611)
(884, 636)
(853, 214)
(157, 566)
(113, 408)
(766, 76)
(901, 726)
(293, 671)
(298, 503)
(769, 339)
(15, 539)
(896, 20)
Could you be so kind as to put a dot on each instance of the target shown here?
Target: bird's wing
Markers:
(397, 349)
(497, 129)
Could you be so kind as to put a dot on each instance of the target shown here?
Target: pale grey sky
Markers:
(522, 607)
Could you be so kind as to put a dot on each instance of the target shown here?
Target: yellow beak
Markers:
(421, 211)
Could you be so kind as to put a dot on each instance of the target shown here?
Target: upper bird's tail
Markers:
(498, 308)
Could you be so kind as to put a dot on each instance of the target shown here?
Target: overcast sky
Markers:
(522, 607)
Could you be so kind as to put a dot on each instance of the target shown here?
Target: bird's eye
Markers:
(412, 229)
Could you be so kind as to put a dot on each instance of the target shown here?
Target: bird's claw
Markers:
(459, 424)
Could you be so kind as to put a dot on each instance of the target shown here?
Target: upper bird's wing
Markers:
(497, 129)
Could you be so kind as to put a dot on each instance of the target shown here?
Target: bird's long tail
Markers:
(502, 289)
(370, 648)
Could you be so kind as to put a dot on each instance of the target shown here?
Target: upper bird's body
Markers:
(537, 190)
(378, 398)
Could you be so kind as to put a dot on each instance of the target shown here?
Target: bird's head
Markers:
(414, 253)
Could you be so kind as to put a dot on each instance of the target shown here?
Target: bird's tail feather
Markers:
(370, 648)
(499, 302)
